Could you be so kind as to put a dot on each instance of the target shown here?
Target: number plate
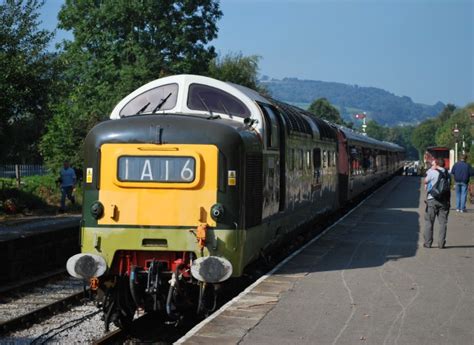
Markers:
(156, 169)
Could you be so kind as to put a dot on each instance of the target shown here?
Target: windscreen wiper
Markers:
(142, 109)
(163, 101)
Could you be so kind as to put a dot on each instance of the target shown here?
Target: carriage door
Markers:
(275, 168)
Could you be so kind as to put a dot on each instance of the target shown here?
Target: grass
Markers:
(36, 195)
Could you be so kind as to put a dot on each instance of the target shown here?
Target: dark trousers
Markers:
(435, 208)
(66, 192)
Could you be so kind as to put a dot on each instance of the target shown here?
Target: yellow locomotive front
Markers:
(163, 221)
(156, 233)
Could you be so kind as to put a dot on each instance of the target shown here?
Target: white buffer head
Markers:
(86, 266)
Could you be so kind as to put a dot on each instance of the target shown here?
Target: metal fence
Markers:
(11, 170)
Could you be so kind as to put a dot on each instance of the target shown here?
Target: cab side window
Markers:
(210, 99)
(272, 127)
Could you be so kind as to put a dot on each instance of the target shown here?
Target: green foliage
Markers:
(424, 136)
(459, 118)
(400, 135)
(376, 131)
(236, 68)
(27, 79)
(446, 112)
(439, 131)
(36, 194)
(324, 110)
(117, 47)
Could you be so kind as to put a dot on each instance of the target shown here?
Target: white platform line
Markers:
(204, 322)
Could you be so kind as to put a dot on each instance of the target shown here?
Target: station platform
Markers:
(31, 226)
(35, 245)
(366, 280)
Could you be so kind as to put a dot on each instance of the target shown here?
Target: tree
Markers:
(324, 110)
(236, 68)
(446, 112)
(27, 80)
(401, 135)
(376, 131)
(460, 118)
(424, 136)
(117, 47)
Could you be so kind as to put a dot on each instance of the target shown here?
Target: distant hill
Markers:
(380, 105)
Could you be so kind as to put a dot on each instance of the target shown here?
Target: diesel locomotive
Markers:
(192, 179)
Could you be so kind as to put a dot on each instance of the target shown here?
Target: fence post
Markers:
(17, 175)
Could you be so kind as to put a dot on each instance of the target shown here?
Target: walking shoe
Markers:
(426, 246)
(462, 211)
(458, 210)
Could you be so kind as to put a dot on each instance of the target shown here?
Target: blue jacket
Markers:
(461, 171)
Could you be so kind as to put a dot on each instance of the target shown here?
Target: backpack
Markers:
(441, 190)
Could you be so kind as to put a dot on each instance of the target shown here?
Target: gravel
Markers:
(15, 304)
(84, 329)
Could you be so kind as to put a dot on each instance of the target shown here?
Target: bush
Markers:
(38, 194)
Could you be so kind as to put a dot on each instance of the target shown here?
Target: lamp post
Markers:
(362, 116)
(456, 135)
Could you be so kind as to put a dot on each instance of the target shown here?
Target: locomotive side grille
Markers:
(292, 115)
(253, 189)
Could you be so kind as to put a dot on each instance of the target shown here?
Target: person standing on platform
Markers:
(67, 180)
(438, 206)
(461, 171)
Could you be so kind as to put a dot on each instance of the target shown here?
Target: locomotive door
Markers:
(275, 153)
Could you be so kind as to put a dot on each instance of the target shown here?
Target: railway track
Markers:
(30, 302)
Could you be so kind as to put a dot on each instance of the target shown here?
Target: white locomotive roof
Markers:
(183, 82)
(252, 94)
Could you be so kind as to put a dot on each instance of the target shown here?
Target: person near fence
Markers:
(67, 180)
(461, 171)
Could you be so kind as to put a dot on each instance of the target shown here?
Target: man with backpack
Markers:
(437, 185)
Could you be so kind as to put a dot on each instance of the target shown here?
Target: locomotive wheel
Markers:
(119, 306)
(207, 302)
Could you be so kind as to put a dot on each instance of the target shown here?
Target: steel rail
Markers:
(25, 320)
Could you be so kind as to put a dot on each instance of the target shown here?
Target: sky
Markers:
(423, 49)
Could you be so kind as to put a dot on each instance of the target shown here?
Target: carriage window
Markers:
(207, 98)
(325, 159)
(329, 154)
(308, 159)
(272, 128)
(300, 159)
(159, 98)
(317, 159)
(291, 159)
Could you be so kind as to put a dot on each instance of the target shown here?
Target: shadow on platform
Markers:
(384, 228)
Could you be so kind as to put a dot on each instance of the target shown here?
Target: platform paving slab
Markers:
(367, 281)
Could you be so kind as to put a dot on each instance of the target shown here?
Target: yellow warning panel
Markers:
(231, 178)
(149, 184)
(89, 172)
